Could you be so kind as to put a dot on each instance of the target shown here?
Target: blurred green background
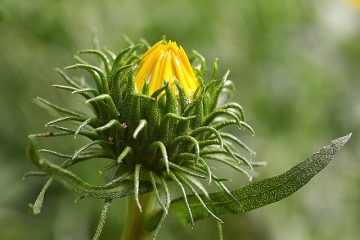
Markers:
(296, 65)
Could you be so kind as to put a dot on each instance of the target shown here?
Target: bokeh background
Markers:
(296, 65)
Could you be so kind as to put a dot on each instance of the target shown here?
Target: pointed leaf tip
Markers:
(263, 192)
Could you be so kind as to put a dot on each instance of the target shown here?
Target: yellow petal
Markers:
(145, 71)
(156, 77)
(166, 62)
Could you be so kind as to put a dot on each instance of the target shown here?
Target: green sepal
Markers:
(209, 90)
(85, 133)
(127, 98)
(183, 99)
(153, 117)
(171, 103)
(168, 123)
(118, 75)
(215, 72)
(169, 127)
(119, 80)
(203, 67)
(141, 131)
(101, 55)
(101, 81)
(145, 89)
(102, 219)
(192, 105)
(124, 56)
(216, 93)
(133, 118)
(57, 109)
(67, 79)
(159, 91)
(126, 152)
(199, 115)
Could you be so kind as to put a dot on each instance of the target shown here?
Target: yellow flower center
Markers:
(166, 62)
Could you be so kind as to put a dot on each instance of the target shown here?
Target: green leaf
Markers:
(260, 193)
(76, 184)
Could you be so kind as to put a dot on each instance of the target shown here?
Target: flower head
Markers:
(150, 142)
(166, 62)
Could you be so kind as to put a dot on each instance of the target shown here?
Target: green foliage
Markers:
(257, 194)
(268, 190)
(284, 78)
(76, 184)
(159, 139)
(155, 138)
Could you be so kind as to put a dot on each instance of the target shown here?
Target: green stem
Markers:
(134, 222)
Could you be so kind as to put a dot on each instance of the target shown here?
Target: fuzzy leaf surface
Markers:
(78, 185)
(260, 193)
